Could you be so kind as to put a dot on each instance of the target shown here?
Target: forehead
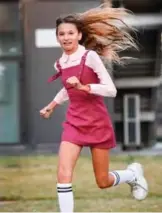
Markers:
(67, 27)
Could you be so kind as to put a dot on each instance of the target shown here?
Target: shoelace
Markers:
(134, 185)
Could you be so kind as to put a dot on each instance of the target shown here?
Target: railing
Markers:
(139, 68)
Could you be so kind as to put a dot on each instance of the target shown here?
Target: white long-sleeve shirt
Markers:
(106, 86)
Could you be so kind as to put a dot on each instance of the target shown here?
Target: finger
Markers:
(70, 82)
(43, 113)
(48, 110)
(74, 84)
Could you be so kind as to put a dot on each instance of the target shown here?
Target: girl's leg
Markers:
(100, 161)
(133, 175)
(68, 155)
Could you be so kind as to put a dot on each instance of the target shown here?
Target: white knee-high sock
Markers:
(122, 176)
(65, 197)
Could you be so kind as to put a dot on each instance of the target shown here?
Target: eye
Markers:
(61, 33)
(71, 32)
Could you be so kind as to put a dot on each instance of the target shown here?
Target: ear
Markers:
(80, 36)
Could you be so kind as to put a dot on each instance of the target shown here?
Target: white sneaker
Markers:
(139, 186)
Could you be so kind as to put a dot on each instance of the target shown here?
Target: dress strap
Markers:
(84, 57)
(82, 63)
(58, 74)
(58, 65)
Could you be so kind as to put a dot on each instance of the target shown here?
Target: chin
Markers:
(68, 48)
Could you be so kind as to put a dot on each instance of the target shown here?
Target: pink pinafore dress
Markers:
(87, 120)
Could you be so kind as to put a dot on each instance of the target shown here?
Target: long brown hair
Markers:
(103, 30)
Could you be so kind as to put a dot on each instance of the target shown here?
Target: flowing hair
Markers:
(103, 30)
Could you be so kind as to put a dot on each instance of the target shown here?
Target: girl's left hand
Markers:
(74, 81)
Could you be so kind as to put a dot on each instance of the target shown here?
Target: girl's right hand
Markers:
(46, 112)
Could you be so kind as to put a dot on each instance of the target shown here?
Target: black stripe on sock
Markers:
(69, 187)
(117, 178)
(64, 191)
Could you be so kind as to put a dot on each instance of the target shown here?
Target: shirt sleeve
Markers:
(106, 86)
(62, 95)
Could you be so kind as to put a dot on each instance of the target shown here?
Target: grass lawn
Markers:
(28, 184)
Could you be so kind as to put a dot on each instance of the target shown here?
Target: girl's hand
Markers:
(46, 112)
(74, 81)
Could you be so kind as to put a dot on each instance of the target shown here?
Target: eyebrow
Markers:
(67, 31)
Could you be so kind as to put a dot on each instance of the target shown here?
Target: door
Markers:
(9, 102)
(10, 55)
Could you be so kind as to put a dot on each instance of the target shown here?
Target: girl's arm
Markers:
(106, 86)
(61, 96)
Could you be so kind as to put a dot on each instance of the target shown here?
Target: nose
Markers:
(66, 37)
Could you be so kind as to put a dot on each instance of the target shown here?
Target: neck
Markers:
(69, 52)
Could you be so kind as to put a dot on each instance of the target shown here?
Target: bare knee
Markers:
(64, 175)
(103, 182)
(102, 185)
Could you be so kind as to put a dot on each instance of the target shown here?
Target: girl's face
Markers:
(68, 36)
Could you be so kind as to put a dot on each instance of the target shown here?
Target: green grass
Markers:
(29, 183)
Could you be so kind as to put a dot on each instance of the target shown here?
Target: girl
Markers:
(84, 38)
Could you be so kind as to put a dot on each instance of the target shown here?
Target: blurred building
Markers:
(159, 105)
(138, 82)
(138, 108)
(27, 53)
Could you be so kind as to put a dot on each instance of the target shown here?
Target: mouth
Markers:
(67, 43)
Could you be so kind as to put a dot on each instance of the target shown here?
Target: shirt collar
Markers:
(75, 56)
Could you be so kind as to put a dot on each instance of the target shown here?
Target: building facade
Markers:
(10, 73)
(27, 54)
(138, 82)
